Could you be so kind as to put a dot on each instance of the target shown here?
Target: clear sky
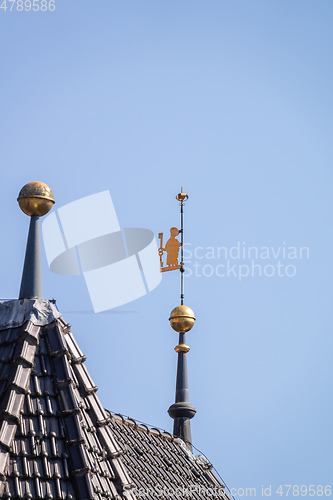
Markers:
(233, 101)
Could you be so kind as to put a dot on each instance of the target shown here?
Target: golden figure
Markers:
(172, 249)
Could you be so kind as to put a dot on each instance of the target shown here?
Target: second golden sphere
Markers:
(182, 319)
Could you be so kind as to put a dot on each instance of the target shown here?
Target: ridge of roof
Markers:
(16, 312)
(131, 422)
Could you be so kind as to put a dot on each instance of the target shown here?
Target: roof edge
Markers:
(131, 422)
(14, 313)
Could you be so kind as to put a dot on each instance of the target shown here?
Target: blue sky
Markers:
(231, 100)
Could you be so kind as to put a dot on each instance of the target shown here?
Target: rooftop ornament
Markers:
(35, 200)
(181, 320)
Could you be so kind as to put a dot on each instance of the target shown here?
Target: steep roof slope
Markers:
(56, 439)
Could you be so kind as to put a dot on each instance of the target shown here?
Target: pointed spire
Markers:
(35, 199)
(182, 320)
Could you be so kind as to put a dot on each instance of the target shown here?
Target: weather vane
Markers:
(173, 244)
(182, 321)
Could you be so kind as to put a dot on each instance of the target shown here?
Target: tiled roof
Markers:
(158, 462)
(56, 439)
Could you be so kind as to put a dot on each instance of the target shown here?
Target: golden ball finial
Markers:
(35, 198)
(182, 319)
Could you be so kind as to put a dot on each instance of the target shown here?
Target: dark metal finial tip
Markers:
(182, 197)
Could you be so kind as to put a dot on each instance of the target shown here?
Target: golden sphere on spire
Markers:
(35, 198)
(182, 319)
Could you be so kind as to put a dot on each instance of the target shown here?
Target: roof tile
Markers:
(12, 404)
(7, 432)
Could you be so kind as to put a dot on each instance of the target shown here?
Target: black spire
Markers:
(31, 284)
(35, 199)
(182, 411)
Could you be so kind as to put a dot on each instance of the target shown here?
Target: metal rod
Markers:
(182, 253)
